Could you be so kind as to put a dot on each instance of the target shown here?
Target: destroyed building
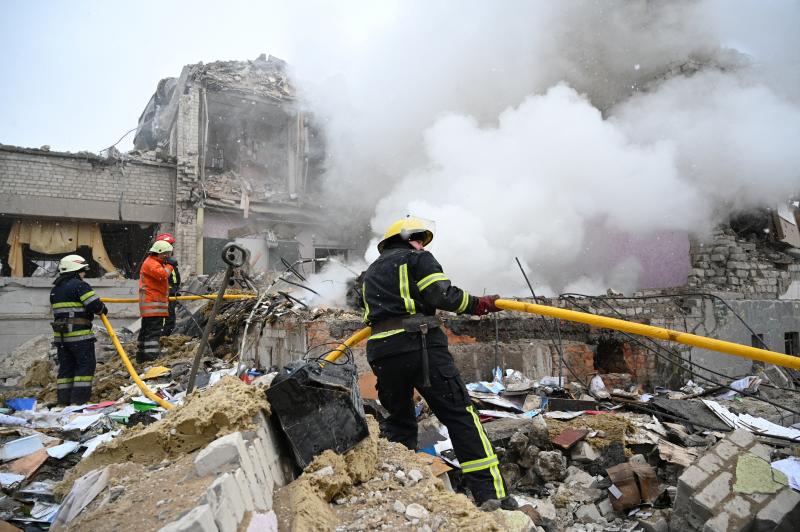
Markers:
(223, 152)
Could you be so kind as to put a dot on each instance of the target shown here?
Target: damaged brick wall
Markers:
(729, 262)
(84, 186)
(188, 195)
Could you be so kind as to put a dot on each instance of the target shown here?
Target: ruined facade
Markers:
(223, 153)
(248, 162)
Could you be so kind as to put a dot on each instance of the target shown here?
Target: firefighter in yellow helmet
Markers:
(402, 290)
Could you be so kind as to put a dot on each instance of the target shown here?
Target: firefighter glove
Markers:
(486, 305)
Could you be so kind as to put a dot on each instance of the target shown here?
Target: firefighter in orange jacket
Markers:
(153, 300)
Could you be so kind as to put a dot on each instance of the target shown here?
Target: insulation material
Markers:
(54, 238)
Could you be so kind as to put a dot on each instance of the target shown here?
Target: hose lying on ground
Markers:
(131, 370)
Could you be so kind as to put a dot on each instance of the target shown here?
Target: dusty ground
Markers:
(109, 375)
(228, 406)
(369, 488)
(140, 497)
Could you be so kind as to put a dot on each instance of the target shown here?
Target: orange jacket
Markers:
(153, 289)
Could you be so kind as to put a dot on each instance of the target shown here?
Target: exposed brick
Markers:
(704, 503)
(742, 438)
(726, 450)
(710, 463)
(199, 519)
(783, 510)
(689, 481)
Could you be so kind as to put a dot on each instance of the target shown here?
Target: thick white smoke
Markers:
(586, 138)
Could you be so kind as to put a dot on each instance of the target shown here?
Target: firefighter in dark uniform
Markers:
(174, 283)
(74, 305)
(408, 349)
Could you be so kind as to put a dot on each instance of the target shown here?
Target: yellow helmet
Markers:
(161, 246)
(406, 227)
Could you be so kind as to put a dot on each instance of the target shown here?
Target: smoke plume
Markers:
(587, 138)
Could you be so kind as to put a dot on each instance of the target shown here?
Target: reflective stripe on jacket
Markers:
(74, 303)
(153, 288)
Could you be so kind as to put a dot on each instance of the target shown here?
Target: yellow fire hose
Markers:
(728, 348)
(177, 298)
(139, 382)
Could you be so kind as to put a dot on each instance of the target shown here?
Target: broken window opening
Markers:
(609, 356)
(339, 254)
(757, 340)
(791, 342)
(33, 248)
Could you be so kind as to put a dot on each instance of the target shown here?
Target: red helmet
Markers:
(166, 237)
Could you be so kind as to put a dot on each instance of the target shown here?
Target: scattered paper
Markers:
(60, 451)
(13, 421)
(486, 387)
(791, 468)
(83, 422)
(9, 479)
(92, 444)
(750, 423)
(20, 447)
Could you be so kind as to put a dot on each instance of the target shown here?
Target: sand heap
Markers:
(226, 407)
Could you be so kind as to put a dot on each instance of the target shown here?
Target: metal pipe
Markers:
(201, 349)
(729, 348)
(179, 298)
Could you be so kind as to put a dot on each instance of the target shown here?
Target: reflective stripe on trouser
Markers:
(151, 331)
(447, 396)
(76, 365)
(169, 323)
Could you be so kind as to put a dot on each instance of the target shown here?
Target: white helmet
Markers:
(72, 263)
(161, 246)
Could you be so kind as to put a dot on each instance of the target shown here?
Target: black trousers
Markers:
(76, 365)
(447, 396)
(149, 348)
(169, 323)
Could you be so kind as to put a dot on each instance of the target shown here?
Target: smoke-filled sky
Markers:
(585, 137)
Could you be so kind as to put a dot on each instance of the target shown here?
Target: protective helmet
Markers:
(407, 227)
(161, 246)
(166, 237)
(72, 263)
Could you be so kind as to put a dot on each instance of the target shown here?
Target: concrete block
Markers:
(605, 508)
(588, 513)
(741, 438)
(268, 470)
(710, 463)
(199, 519)
(220, 455)
(220, 499)
(718, 524)
(726, 450)
(688, 482)
(227, 492)
(244, 487)
(781, 513)
(705, 502)
(737, 507)
(267, 522)
(762, 451)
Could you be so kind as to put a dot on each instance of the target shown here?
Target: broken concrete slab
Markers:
(756, 475)
(198, 519)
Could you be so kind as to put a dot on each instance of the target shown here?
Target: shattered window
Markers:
(792, 343)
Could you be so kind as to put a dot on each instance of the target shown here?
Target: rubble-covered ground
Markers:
(618, 460)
